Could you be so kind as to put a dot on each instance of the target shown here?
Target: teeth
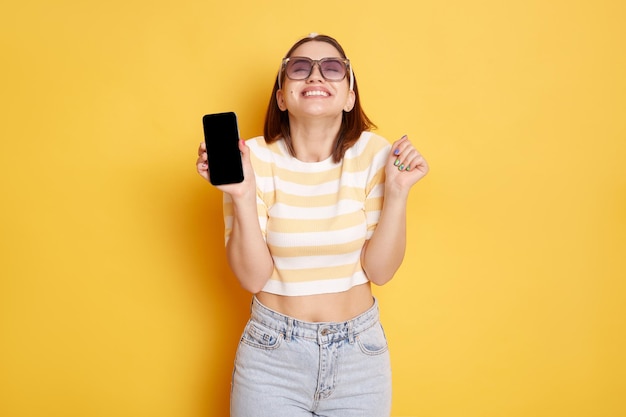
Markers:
(316, 93)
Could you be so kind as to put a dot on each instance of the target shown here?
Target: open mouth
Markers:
(316, 93)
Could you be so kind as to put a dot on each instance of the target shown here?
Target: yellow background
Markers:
(115, 296)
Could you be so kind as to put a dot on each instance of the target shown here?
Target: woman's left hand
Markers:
(405, 166)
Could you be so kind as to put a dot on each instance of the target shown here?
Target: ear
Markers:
(350, 101)
(280, 100)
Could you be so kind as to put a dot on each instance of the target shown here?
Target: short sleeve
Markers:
(375, 188)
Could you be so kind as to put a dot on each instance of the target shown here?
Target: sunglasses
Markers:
(300, 68)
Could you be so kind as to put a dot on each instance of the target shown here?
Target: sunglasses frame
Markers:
(317, 62)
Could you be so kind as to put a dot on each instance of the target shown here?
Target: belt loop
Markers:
(351, 332)
(289, 328)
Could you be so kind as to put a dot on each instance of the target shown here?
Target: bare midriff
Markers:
(335, 307)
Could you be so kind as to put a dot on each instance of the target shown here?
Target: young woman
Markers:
(319, 217)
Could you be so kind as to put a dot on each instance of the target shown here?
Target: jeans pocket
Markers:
(261, 337)
(373, 340)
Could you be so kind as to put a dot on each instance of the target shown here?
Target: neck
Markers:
(314, 142)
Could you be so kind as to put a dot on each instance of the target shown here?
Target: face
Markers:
(315, 96)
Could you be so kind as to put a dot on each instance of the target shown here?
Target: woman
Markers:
(320, 215)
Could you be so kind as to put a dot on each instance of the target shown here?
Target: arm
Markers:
(246, 250)
(383, 253)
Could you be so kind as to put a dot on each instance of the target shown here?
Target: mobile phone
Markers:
(221, 135)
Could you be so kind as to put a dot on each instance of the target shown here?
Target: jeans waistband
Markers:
(322, 332)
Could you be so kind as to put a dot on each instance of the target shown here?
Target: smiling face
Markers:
(315, 96)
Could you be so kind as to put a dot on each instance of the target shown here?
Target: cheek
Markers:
(290, 96)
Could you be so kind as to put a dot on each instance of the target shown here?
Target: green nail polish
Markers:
(397, 162)
(401, 167)
(408, 167)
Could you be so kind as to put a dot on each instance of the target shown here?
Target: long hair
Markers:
(353, 123)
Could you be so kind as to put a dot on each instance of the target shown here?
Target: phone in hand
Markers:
(221, 135)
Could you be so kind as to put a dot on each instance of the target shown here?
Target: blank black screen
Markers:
(221, 136)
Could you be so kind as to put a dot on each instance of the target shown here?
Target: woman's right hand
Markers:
(202, 163)
(245, 188)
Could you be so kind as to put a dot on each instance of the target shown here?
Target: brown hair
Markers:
(353, 123)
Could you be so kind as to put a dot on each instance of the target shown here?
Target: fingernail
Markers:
(401, 167)
(408, 167)
(404, 137)
(396, 152)
(397, 162)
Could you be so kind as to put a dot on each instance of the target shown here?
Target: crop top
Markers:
(316, 216)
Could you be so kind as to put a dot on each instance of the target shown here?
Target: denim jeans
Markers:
(288, 368)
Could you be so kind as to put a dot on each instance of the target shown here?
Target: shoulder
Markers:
(263, 150)
(256, 143)
(369, 146)
(265, 156)
(378, 143)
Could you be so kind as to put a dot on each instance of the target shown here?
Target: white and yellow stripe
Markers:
(315, 217)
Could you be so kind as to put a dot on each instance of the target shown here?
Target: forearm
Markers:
(247, 251)
(383, 253)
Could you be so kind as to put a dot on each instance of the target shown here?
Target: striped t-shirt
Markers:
(316, 216)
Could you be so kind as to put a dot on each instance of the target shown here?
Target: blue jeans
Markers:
(289, 368)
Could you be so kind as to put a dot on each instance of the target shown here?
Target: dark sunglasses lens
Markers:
(298, 69)
(333, 69)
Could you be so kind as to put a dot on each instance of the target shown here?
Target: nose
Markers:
(316, 73)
